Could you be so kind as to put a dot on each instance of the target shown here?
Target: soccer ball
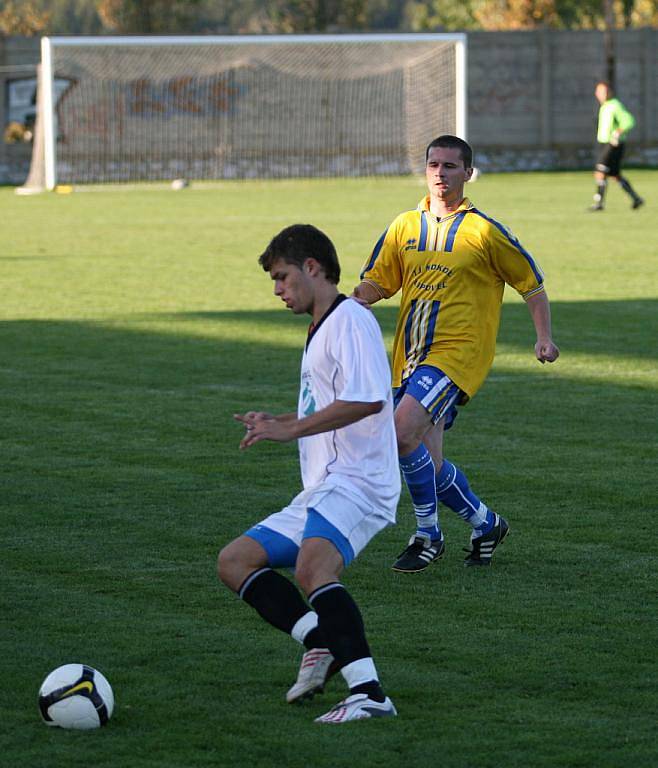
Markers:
(76, 696)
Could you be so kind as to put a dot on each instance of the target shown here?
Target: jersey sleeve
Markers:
(624, 119)
(384, 267)
(364, 375)
(513, 263)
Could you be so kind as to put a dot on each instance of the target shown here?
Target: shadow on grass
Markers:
(59, 362)
(627, 328)
(612, 328)
(134, 428)
(83, 399)
(121, 479)
(82, 392)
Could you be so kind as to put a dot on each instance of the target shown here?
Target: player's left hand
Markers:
(252, 416)
(546, 351)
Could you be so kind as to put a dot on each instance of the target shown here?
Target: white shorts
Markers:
(330, 511)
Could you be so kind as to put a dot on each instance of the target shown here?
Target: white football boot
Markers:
(359, 706)
(317, 666)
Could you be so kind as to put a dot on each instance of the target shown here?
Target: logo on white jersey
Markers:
(308, 401)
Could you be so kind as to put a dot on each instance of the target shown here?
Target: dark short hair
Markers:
(452, 142)
(299, 242)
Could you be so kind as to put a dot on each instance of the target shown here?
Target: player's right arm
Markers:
(338, 414)
(367, 293)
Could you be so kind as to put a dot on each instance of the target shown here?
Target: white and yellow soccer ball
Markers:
(76, 696)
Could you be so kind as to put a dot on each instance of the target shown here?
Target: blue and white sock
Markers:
(453, 490)
(418, 472)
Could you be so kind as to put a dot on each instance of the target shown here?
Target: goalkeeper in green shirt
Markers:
(615, 121)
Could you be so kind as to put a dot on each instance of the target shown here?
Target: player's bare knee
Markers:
(223, 563)
(230, 566)
(408, 439)
(406, 446)
(237, 560)
(408, 433)
(305, 576)
(310, 575)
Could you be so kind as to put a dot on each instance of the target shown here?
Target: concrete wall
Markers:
(531, 102)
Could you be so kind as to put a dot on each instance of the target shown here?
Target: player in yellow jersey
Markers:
(451, 262)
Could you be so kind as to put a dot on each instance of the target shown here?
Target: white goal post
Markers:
(115, 109)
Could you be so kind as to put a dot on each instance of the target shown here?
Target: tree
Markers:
(147, 16)
(295, 16)
(23, 19)
(565, 14)
(74, 17)
(34, 17)
(517, 14)
(641, 13)
(421, 16)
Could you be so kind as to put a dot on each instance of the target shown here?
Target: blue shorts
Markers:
(435, 391)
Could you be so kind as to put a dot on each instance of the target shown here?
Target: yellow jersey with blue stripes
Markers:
(452, 272)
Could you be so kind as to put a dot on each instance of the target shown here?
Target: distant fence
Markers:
(530, 97)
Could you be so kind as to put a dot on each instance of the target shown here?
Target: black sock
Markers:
(626, 186)
(314, 639)
(599, 197)
(276, 599)
(340, 622)
(373, 690)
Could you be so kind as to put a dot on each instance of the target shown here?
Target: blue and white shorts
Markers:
(328, 511)
(435, 391)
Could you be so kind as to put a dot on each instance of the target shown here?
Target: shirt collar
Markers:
(312, 329)
(466, 205)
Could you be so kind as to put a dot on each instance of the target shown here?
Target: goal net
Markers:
(153, 108)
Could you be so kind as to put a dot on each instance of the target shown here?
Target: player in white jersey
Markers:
(351, 483)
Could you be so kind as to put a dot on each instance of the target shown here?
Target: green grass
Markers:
(134, 323)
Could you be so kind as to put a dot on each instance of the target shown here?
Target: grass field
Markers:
(134, 323)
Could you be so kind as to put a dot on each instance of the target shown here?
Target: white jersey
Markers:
(345, 359)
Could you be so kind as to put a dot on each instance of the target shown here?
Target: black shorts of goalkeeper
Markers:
(609, 159)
